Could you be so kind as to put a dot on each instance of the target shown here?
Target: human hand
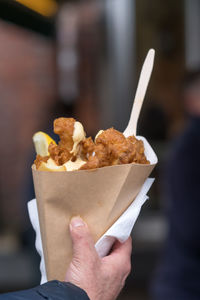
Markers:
(101, 278)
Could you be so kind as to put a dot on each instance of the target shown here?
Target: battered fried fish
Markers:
(64, 127)
(110, 147)
(59, 154)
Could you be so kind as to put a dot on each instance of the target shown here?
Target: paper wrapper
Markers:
(99, 196)
(120, 230)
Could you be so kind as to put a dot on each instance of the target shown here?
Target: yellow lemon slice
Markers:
(41, 142)
(51, 166)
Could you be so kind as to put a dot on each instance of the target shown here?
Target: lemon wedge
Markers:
(51, 166)
(41, 142)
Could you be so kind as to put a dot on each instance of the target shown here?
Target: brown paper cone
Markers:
(99, 196)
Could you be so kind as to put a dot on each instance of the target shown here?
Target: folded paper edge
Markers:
(134, 205)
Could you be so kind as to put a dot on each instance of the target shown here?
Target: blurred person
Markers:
(178, 275)
(88, 276)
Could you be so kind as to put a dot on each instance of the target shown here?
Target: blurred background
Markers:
(83, 59)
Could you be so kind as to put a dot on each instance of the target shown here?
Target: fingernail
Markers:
(76, 222)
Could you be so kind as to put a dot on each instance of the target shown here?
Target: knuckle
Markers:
(126, 267)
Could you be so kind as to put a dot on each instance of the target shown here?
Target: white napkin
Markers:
(120, 230)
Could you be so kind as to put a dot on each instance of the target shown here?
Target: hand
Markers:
(101, 278)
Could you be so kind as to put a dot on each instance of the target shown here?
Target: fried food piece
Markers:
(59, 154)
(87, 147)
(92, 163)
(114, 145)
(70, 137)
(112, 148)
(64, 127)
(103, 154)
(98, 159)
(139, 156)
(39, 159)
(122, 150)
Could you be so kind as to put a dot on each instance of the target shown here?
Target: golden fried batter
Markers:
(59, 154)
(64, 127)
(139, 156)
(39, 159)
(87, 147)
(112, 148)
(92, 163)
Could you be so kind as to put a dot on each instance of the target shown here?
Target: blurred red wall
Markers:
(27, 91)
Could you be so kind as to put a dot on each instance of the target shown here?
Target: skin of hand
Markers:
(101, 278)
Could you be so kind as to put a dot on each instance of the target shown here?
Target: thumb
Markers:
(82, 241)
